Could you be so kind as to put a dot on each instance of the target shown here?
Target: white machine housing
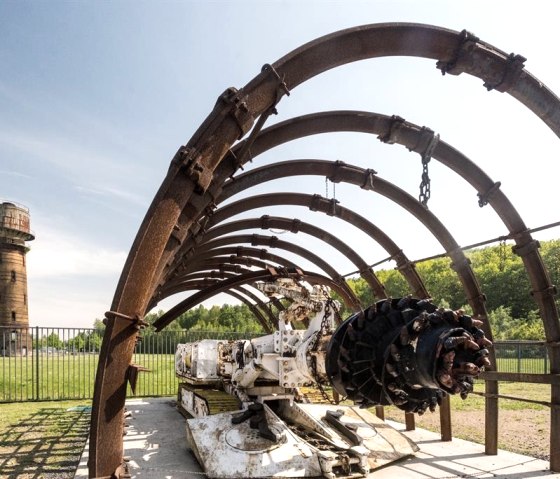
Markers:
(277, 363)
(265, 374)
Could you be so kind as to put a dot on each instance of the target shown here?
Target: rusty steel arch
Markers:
(353, 304)
(200, 281)
(179, 201)
(296, 225)
(273, 242)
(252, 276)
(256, 312)
(355, 174)
(415, 138)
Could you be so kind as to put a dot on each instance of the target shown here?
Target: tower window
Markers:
(13, 315)
(13, 276)
(25, 299)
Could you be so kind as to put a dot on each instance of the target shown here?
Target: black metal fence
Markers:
(45, 364)
(522, 357)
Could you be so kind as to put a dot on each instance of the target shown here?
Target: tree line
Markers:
(512, 311)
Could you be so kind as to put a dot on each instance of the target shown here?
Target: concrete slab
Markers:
(157, 447)
(155, 442)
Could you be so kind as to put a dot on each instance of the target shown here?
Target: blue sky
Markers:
(96, 97)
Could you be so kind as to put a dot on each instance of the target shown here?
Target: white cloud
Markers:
(71, 281)
(57, 151)
(14, 173)
(56, 254)
(90, 170)
(104, 191)
(73, 311)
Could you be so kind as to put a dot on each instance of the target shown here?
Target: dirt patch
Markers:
(523, 431)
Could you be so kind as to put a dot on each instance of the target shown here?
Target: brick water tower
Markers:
(14, 319)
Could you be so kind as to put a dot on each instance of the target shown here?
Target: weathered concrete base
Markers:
(157, 446)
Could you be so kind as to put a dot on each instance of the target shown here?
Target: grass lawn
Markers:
(42, 440)
(522, 427)
(64, 377)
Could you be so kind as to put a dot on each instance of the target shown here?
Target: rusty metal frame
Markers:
(180, 198)
(205, 249)
(239, 292)
(296, 226)
(189, 283)
(252, 276)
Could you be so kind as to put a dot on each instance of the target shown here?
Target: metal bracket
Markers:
(177, 235)
(431, 140)
(265, 222)
(138, 323)
(526, 249)
(317, 200)
(457, 261)
(282, 88)
(257, 240)
(332, 211)
(238, 109)
(392, 134)
(462, 55)
(132, 375)
(187, 160)
(404, 265)
(368, 183)
(210, 208)
(198, 228)
(464, 59)
(512, 71)
(337, 166)
(245, 120)
(294, 227)
(122, 472)
(478, 298)
(484, 198)
(234, 268)
(548, 292)
(238, 162)
(365, 272)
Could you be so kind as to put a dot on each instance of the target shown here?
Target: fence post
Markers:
(36, 363)
(518, 357)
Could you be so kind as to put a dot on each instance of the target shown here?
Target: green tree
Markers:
(53, 341)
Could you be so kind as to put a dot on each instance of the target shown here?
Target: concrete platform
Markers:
(157, 446)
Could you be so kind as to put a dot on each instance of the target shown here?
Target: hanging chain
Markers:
(502, 255)
(327, 188)
(425, 183)
(323, 330)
